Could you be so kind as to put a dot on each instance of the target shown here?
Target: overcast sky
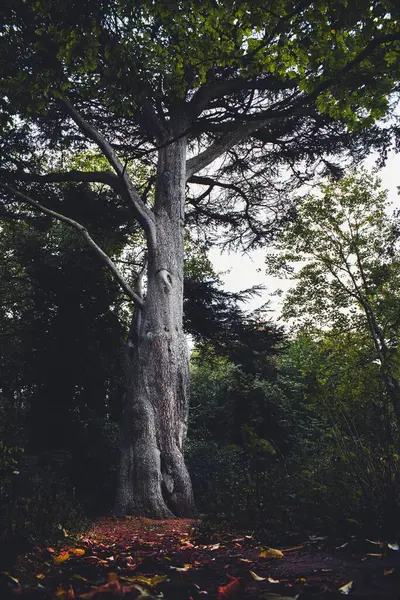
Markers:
(249, 270)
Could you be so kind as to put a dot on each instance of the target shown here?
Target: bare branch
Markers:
(142, 212)
(224, 143)
(85, 234)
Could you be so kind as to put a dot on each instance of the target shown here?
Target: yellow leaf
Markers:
(151, 581)
(40, 576)
(270, 553)
(65, 594)
(273, 580)
(76, 551)
(10, 577)
(256, 577)
(62, 557)
(346, 589)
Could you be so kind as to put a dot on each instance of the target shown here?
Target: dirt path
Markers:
(137, 558)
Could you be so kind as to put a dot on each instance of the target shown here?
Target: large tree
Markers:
(270, 92)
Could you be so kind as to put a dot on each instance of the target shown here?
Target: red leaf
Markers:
(231, 590)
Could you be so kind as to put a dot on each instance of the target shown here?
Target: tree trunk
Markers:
(154, 480)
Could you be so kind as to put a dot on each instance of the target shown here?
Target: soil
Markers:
(135, 559)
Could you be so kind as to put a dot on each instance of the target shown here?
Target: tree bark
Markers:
(153, 479)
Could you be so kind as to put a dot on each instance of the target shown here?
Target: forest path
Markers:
(135, 559)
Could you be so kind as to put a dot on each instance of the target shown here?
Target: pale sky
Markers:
(249, 270)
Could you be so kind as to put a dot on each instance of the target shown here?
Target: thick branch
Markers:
(224, 143)
(85, 234)
(143, 213)
(106, 177)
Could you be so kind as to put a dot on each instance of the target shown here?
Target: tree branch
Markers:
(106, 177)
(142, 212)
(224, 143)
(85, 234)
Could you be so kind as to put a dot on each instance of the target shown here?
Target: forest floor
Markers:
(140, 559)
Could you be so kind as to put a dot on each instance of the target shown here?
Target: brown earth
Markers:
(133, 558)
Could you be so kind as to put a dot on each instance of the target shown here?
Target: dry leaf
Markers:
(80, 577)
(76, 551)
(62, 557)
(273, 580)
(62, 594)
(257, 577)
(214, 547)
(231, 590)
(185, 567)
(394, 546)
(14, 579)
(150, 581)
(270, 553)
(388, 571)
(346, 589)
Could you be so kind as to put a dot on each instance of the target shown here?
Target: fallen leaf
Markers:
(394, 546)
(62, 557)
(62, 594)
(186, 567)
(273, 580)
(376, 555)
(346, 589)
(76, 551)
(231, 590)
(214, 547)
(14, 579)
(388, 571)
(270, 553)
(301, 580)
(40, 576)
(113, 586)
(257, 577)
(245, 560)
(151, 581)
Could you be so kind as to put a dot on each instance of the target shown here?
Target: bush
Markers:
(36, 504)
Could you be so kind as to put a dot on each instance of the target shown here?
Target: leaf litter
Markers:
(141, 559)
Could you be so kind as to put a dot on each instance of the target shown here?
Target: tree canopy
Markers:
(290, 85)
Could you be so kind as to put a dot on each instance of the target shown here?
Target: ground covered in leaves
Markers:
(140, 559)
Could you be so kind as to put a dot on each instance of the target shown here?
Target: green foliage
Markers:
(116, 45)
(319, 455)
(345, 244)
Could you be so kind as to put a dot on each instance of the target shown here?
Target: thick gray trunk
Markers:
(154, 480)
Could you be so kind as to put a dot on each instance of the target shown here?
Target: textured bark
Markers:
(154, 480)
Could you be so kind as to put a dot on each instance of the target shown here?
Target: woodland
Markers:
(264, 462)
